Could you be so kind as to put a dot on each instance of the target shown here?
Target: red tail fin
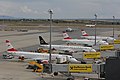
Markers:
(84, 33)
(10, 47)
(66, 36)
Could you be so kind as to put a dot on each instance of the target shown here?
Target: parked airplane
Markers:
(33, 55)
(84, 42)
(86, 36)
(69, 29)
(90, 25)
(66, 47)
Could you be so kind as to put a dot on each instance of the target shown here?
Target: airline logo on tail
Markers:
(84, 33)
(66, 36)
(10, 47)
(42, 41)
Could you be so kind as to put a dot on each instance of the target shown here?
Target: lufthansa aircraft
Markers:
(70, 48)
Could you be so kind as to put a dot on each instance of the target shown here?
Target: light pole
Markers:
(113, 25)
(95, 26)
(50, 12)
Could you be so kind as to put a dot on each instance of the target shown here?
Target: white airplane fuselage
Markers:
(86, 42)
(42, 56)
(98, 38)
(70, 47)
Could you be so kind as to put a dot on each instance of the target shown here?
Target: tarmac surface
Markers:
(28, 41)
(15, 71)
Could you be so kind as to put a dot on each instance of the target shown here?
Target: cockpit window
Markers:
(71, 57)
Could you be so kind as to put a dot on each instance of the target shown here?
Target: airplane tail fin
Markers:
(42, 41)
(10, 47)
(84, 33)
(66, 36)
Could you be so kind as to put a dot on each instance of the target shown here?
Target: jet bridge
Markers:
(108, 70)
(70, 69)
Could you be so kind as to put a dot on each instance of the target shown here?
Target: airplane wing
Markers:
(39, 59)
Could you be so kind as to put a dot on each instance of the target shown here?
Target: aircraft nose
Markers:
(94, 50)
(74, 60)
(107, 43)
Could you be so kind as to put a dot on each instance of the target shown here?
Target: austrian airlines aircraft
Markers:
(33, 55)
(77, 48)
(86, 36)
(84, 42)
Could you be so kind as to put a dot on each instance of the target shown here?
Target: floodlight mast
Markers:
(95, 26)
(113, 25)
(50, 12)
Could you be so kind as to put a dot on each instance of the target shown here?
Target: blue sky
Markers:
(62, 9)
